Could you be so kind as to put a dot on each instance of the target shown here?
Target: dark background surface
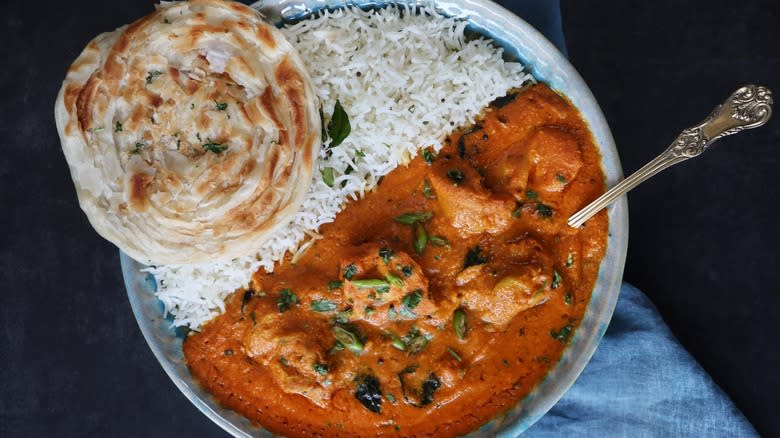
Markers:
(703, 239)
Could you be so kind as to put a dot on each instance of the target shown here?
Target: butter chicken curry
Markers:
(434, 303)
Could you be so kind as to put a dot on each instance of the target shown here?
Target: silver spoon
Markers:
(748, 107)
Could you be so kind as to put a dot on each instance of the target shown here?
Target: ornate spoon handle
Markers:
(748, 107)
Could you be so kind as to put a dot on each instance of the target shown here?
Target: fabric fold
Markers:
(641, 382)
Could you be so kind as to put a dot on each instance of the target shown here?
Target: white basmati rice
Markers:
(406, 81)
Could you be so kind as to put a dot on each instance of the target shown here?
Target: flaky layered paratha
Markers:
(190, 134)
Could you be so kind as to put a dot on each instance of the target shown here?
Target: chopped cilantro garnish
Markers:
(569, 260)
(343, 316)
(391, 313)
(152, 74)
(556, 281)
(386, 254)
(562, 334)
(428, 190)
(350, 271)
(286, 299)
(429, 155)
(320, 368)
(412, 299)
(415, 340)
(456, 175)
(217, 148)
(544, 210)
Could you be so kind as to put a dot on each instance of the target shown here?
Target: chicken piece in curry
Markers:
(433, 304)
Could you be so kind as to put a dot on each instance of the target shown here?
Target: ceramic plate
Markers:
(547, 64)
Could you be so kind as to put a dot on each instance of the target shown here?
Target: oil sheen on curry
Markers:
(433, 304)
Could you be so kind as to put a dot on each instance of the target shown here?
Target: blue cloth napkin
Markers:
(640, 382)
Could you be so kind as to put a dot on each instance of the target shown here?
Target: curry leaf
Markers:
(418, 397)
(369, 393)
(338, 127)
(474, 257)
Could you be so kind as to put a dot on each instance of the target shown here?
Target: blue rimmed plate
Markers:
(520, 40)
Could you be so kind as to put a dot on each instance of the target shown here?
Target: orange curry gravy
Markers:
(377, 331)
